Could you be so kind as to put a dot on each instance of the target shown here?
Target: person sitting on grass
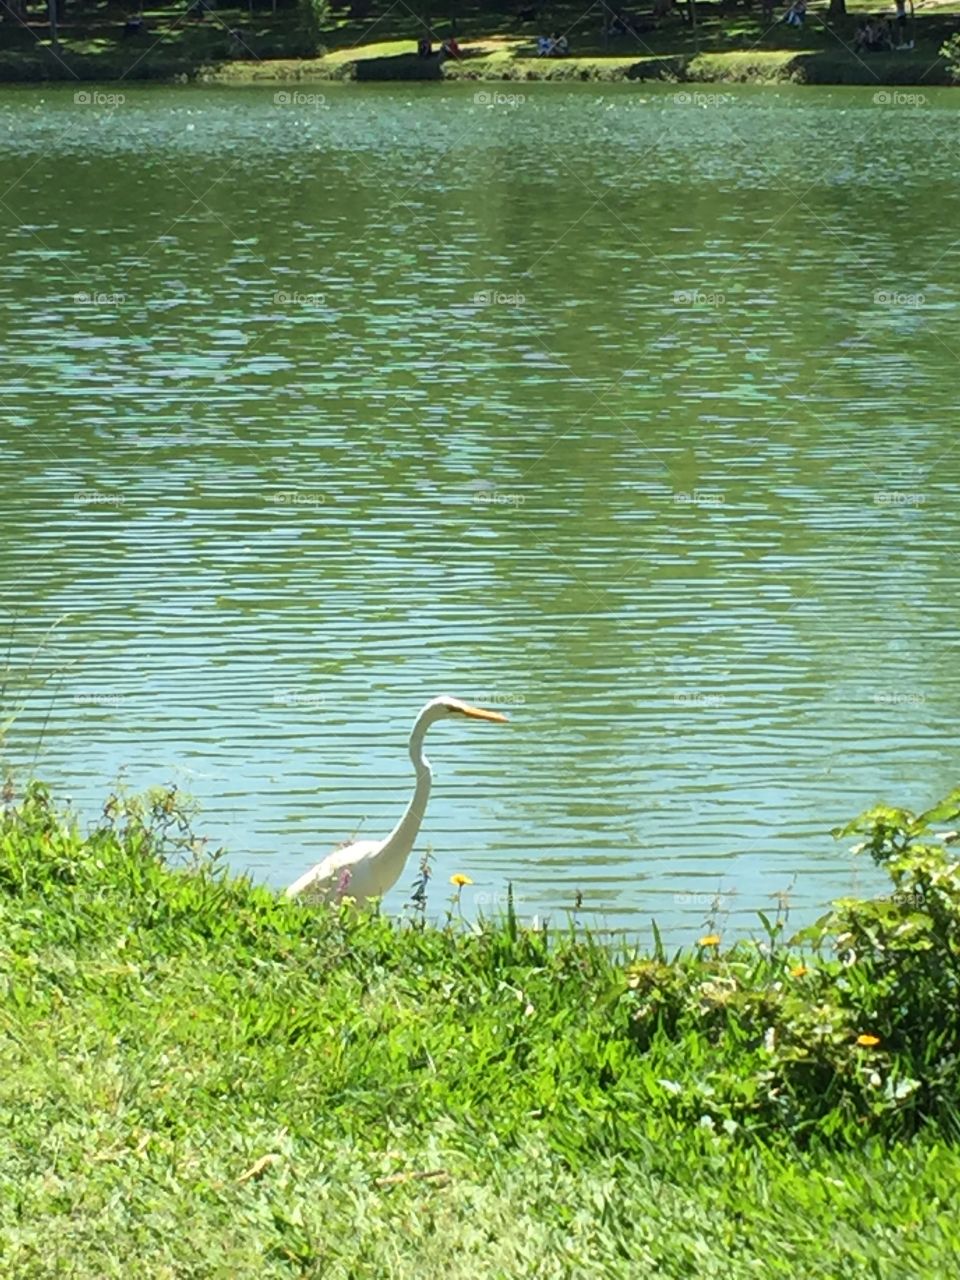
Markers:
(424, 48)
(450, 48)
(796, 14)
(561, 46)
(237, 43)
(884, 36)
(873, 36)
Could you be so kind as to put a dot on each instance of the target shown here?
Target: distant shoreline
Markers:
(729, 67)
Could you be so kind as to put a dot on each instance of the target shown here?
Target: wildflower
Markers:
(711, 940)
(343, 883)
(460, 880)
(799, 971)
(868, 1041)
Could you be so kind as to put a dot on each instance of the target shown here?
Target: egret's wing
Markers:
(321, 882)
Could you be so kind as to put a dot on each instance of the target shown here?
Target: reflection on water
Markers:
(630, 417)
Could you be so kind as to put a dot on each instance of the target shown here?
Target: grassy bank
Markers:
(200, 1078)
(394, 63)
(387, 62)
(731, 44)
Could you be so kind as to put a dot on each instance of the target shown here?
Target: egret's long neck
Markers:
(397, 846)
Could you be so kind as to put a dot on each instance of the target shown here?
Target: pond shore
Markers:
(753, 67)
(200, 1075)
(724, 50)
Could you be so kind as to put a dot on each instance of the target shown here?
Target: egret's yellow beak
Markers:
(481, 713)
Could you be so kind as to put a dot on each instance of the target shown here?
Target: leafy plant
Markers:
(223, 1078)
(950, 52)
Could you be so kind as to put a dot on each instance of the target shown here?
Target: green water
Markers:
(630, 415)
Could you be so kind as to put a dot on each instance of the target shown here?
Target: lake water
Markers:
(628, 410)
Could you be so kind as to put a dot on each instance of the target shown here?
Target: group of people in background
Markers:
(875, 34)
(552, 46)
(448, 48)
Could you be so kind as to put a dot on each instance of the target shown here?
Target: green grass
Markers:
(728, 46)
(199, 1078)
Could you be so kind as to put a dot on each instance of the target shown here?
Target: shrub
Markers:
(950, 52)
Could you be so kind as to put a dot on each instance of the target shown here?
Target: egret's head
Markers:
(447, 706)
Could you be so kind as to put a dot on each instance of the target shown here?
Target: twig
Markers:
(258, 1167)
(414, 1175)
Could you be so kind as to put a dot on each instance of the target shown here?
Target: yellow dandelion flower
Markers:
(460, 880)
(868, 1041)
(711, 940)
(799, 971)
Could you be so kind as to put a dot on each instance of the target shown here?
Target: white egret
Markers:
(367, 869)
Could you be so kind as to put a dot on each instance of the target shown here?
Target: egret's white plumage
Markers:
(368, 869)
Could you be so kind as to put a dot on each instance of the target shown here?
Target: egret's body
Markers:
(368, 869)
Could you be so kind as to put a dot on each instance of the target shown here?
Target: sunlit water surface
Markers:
(630, 415)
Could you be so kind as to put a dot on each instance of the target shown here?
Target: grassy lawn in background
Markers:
(729, 44)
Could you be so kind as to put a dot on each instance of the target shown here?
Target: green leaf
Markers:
(948, 810)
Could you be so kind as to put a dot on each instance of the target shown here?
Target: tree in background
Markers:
(313, 17)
